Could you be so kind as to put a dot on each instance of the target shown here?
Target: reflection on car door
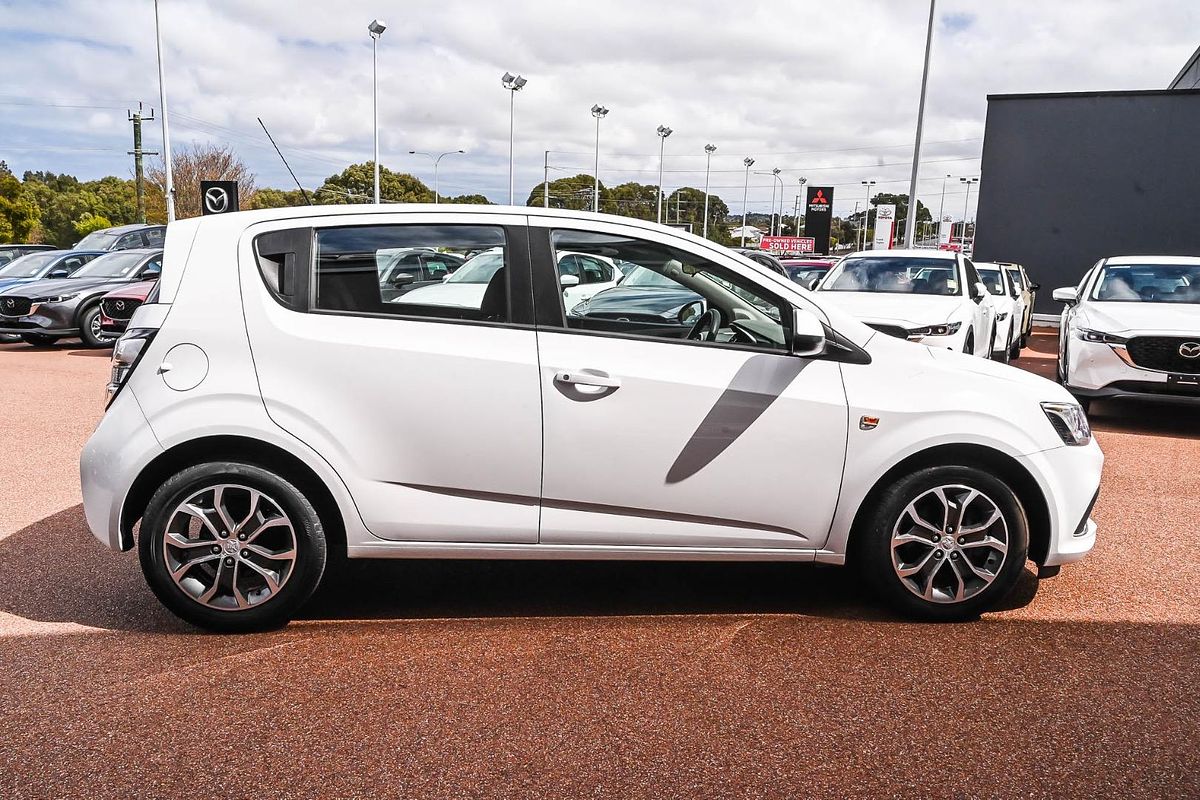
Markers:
(688, 444)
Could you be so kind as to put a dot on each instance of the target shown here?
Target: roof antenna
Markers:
(284, 160)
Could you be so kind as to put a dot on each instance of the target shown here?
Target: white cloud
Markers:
(823, 90)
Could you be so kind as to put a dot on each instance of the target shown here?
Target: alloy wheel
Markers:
(229, 547)
(949, 544)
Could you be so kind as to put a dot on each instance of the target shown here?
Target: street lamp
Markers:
(376, 29)
(867, 212)
(774, 174)
(709, 149)
(169, 189)
(966, 203)
(436, 161)
(800, 203)
(749, 162)
(514, 84)
(942, 207)
(599, 112)
(910, 223)
(663, 133)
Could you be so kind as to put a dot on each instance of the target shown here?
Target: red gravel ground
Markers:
(464, 679)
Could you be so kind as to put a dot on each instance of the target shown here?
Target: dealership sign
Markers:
(945, 229)
(885, 227)
(818, 217)
(218, 197)
(787, 244)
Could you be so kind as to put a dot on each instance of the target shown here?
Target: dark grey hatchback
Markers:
(44, 311)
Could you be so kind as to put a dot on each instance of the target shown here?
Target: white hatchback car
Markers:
(1009, 303)
(269, 409)
(1131, 328)
(929, 296)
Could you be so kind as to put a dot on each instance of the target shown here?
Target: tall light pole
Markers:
(800, 202)
(942, 208)
(911, 223)
(599, 112)
(749, 162)
(966, 203)
(436, 160)
(775, 174)
(867, 212)
(861, 226)
(376, 29)
(709, 149)
(514, 84)
(169, 189)
(663, 133)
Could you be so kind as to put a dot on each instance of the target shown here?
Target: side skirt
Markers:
(553, 552)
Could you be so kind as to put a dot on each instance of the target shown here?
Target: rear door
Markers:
(431, 413)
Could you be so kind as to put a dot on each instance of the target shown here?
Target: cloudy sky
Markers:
(825, 90)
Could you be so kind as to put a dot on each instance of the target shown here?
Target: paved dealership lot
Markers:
(599, 680)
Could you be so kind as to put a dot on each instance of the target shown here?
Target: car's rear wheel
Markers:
(37, 339)
(945, 543)
(90, 331)
(231, 547)
(999, 355)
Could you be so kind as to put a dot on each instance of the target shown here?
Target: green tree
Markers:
(468, 199)
(356, 184)
(574, 193)
(277, 198)
(635, 200)
(89, 222)
(686, 206)
(18, 211)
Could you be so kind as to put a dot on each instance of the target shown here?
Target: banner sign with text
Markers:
(885, 227)
(787, 244)
(945, 229)
(818, 217)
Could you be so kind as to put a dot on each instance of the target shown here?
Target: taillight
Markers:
(127, 352)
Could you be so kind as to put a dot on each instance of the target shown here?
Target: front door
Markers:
(673, 414)
(427, 404)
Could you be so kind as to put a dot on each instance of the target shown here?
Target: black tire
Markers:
(1014, 352)
(89, 329)
(969, 345)
(38, 339)
(872, 546)
(1002, 355)
(296, 589)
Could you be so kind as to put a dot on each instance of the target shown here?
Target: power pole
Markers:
(137, 152)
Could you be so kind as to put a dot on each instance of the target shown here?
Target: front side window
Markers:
(1148, 283)
(129, 241)
(386, 269)
(895, 275)
(673, 294)
(993, 279)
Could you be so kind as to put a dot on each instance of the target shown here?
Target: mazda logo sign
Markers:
(119, 305)
(10, 303)
(1187, 349)
(216, 200)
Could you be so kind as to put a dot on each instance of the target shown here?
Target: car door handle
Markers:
(587, 378)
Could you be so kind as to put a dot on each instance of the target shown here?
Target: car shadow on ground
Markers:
(55, 571)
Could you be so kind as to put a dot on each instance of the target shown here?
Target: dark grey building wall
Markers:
(1070, 178)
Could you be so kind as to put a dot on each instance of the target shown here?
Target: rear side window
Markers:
(154, 237)
(395, 270)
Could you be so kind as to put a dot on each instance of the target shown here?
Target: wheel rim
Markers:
(949, 544)
(229, 547)
(94, 326)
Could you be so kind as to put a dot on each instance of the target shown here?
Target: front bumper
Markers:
(51, 319)
(1096, 370)
(1069, 478)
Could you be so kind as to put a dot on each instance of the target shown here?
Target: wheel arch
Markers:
(1004, 466)
(233, 448)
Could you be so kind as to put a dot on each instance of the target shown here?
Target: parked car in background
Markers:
(10, 252)
(1010, 310)
(117, 307)
(124, 237)
(1131, 328)
(927, 296)
(256, 427)
(759, 257)
(1028, 291)
(43, 311)
(656, 303)
(47, 264)
(405, 269)
(807, 271)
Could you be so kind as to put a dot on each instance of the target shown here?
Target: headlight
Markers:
(127, 352)
(935, 330)
(62, 298)
(1089, 335)
(1069, 422)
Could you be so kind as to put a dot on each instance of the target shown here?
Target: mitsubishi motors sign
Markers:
(788, 244)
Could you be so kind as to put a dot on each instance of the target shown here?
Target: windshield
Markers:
(29, 266)
(99, 240)
(479, 269)
(112, 265)
(992, 279)
(1148, 283)
(640, 276)
(895, 275)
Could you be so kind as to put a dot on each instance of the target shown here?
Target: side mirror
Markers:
(808, 334)
(689, 313)
(1033, 287)
(403, 279)
(980, 291)
(567, 281)
(1067, 294)
(58, 273)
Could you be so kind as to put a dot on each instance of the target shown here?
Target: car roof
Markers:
(141, 251)
(1179, 261)
(136, 226)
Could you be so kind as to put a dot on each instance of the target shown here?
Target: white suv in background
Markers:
(932, 297)
(1131, 328)
(269, 407)
(1010, 310)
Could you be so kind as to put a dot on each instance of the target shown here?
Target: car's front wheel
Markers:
(231, 547)
(944, 543)
(90, 331)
